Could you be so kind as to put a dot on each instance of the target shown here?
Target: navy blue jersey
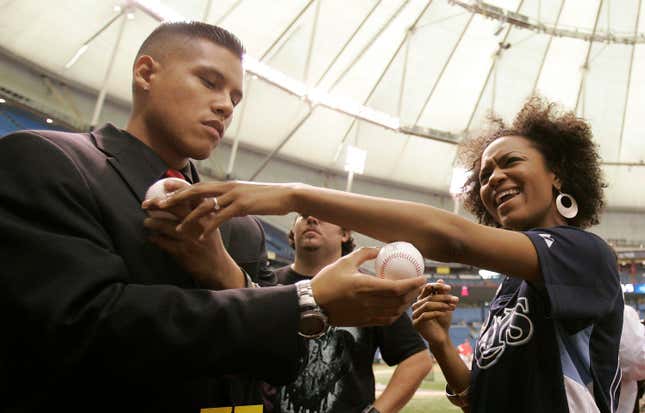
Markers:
(553, 346)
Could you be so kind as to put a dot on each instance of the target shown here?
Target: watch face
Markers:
(312, 323)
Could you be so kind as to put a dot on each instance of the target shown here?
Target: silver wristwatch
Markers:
(313, 321)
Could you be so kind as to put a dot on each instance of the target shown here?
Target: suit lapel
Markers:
(138, 165)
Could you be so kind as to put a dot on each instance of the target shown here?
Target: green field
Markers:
(429, 398)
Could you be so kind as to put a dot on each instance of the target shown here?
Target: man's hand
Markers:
(350, 298)
(205, 258)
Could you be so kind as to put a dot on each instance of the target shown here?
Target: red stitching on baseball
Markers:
(400, 254)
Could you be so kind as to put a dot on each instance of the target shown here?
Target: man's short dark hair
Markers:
(161, 37)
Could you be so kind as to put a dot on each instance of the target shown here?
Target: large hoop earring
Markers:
(566, 205)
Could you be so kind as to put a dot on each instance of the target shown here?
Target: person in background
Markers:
(338, 376)
(632, 360)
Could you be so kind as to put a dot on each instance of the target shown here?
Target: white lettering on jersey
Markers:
(512, 328)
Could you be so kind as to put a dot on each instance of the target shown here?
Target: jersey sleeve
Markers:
(579, 272)
(399, 341)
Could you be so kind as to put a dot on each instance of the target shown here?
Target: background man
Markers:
(339, 376)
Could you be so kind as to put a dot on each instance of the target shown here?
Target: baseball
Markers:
(398, 260)
(158, 190)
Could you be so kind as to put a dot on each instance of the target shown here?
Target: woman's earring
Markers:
(566, 205)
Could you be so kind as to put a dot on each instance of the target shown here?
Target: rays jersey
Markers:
(553, 346)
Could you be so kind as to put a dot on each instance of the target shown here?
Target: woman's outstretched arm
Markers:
(438, 234)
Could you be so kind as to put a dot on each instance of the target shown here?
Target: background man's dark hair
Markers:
(158, 42)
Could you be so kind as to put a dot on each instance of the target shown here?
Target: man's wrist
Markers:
(313, 321)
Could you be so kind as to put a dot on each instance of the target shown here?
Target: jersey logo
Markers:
(512, 328)
(548, 239)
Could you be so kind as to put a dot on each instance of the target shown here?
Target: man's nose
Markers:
(223, 107)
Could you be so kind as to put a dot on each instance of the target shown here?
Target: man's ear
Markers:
(346, 234)
(292, 242)
(144, 70)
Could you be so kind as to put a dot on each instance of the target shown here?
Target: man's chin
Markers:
(202, 153)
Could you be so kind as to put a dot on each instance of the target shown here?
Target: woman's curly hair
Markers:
(564, 140)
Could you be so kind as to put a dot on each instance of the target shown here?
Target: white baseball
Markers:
(158, 190)
(398, 260)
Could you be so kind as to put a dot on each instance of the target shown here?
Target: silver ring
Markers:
(216, 206)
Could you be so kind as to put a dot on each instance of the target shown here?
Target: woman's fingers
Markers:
(431, 306)
(435, 288)
(217, 212)
(195, 192)
(442, 298)
(429, 315)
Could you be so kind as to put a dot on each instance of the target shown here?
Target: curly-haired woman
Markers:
(550, 343)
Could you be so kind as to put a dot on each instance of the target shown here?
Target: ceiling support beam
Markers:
(286, 30)
(496, 57)
(307, 115)
(629, 82)
(546, 51)
(347, 43)
(281, 144)
(108, 72)
(443, 69)
(226, 13)
(312, 42)
(585, 65)
(404, 73)
(369, 44)
(406, 37)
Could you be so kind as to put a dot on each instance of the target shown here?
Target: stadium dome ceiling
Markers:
(402, 79)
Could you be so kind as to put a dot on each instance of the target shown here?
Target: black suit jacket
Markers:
(94, 316)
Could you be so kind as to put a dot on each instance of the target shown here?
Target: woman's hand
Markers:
(432, 313)
(227, 200)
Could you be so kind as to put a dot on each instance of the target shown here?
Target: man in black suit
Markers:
(96, 317)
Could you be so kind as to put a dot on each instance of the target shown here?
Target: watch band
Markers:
(306, 298)
(310, 313)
